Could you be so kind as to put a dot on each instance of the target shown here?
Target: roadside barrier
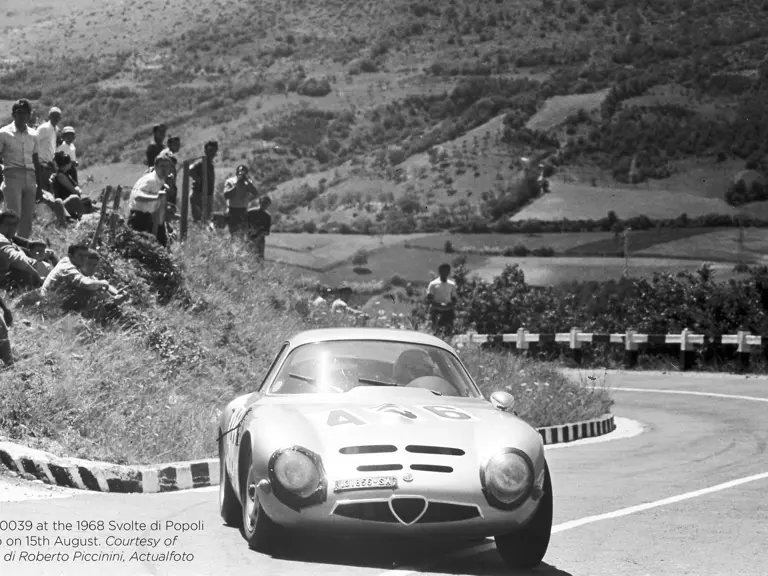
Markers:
(630, 339)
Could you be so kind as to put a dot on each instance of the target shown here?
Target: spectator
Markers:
(17, 269)
(23, 176)
(259, 225)
(144, 203)
(66, 190)
(68, 147)
(46, 146)
(39, 252)
(238, 191)
(90, 265)
(441, 298)
(158, 133)
(196, 174)
(173, 144)
(67, 282)
(36, 250)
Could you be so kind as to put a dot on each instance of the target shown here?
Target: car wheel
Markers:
(525, 548)
(258, 529)
(230, 509)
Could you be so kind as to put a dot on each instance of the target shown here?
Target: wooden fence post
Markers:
(102, 216)
(686, 351)
(521, 343)
(743, 350)
(115, 208)
(630, 346)
(575, 344)
(184, 201)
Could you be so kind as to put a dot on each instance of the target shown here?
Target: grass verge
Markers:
(153, 394)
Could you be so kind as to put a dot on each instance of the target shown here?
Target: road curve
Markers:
(692, 442)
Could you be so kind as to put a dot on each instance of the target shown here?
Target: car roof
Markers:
(387, 334)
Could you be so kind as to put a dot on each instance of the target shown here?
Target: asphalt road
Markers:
(688, 496)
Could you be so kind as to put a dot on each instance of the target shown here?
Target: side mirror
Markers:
(502, 400)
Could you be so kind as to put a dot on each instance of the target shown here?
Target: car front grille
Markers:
(407, 509)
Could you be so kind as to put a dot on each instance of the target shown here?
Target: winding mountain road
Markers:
(687, 496)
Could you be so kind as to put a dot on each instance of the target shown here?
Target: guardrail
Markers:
(631, 340)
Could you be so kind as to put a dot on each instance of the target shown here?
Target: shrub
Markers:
(316, 87)
(360, 258)
(363, 66)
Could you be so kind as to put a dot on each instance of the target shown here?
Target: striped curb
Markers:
(106, 477)
(563, 433)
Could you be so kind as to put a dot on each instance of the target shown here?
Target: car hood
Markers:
(376, 416)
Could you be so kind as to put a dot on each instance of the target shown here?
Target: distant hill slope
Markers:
(362, 91)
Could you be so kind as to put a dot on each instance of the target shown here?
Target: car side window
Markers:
(273, 365)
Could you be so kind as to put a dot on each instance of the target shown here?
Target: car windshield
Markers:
(339, 366)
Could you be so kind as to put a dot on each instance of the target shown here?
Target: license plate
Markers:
(369, 483)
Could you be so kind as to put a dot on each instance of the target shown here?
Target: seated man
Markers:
(17, 269)
(112, 294)
(39, 252)
(67, 282)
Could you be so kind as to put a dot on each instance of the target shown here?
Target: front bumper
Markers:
(418, 508)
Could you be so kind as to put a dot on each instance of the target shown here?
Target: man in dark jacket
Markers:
(158, 133)
(198, 195)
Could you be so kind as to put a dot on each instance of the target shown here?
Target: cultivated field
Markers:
(579, 201)
(559, 242)
(556, 109)
(717, 244)
(583, 256)
(552, 271)
(411, 264)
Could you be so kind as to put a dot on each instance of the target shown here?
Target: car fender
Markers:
(266, 429)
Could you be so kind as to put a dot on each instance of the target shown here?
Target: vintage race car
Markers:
(364, 431)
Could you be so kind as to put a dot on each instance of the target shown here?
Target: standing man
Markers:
(23, 174)
(146, 197)
(441, 298)
(158, 133)
(238, 190)
(198, 195)
(46, 145)
(68, 147)
(259, 225)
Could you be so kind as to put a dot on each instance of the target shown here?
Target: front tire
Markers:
(230, 509)
(258, 529)
(525, 548)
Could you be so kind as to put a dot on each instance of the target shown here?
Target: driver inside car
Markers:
(413, 364)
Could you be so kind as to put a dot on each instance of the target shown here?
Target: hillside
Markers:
(403, 116)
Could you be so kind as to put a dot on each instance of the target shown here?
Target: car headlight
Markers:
(297, 473)
(297, 477)
(507, 478)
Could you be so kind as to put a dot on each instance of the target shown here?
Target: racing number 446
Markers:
(445, 412)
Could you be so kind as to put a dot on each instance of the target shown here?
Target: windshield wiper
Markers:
(372, 382)
(303, 378)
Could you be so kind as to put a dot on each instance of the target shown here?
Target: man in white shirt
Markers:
(146, 198)
(23, 177)
(68, 147)
(46, 145)
(441, 298)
